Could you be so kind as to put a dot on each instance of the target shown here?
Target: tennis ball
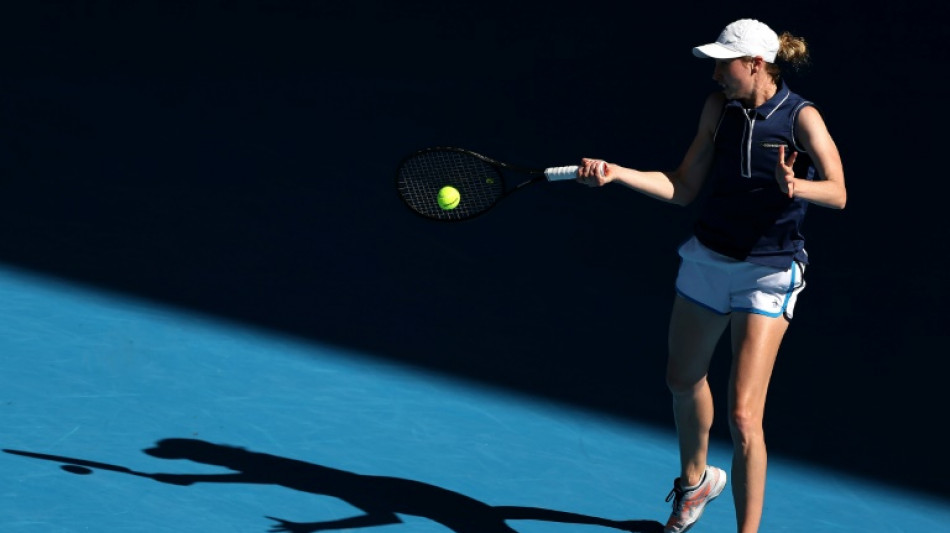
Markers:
(449, 197)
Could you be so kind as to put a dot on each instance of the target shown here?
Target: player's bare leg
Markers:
(694, 333)
(755, 339)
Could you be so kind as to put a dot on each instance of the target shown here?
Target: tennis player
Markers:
(767, 154)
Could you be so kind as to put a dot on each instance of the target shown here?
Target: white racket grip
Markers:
(561, 173)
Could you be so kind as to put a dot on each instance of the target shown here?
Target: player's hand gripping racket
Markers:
(477, 180)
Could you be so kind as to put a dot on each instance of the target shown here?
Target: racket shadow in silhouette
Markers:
(380, 498)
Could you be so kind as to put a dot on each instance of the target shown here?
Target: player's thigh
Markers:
(693, 335)
(756, 340)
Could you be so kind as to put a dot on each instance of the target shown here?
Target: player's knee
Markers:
(685, 385)
(746, 424)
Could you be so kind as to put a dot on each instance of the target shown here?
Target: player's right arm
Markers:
(679, 186)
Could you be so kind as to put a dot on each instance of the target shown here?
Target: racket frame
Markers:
(534, 175)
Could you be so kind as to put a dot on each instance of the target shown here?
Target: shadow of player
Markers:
(380, 498)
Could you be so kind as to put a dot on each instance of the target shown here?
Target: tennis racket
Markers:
(480, 181)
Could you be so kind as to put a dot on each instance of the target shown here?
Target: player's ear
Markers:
(756, 63)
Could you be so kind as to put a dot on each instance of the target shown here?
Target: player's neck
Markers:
(761, 93)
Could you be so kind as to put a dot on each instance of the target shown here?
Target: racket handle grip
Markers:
(561, 173)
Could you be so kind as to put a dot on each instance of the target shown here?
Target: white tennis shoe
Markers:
(688, 505)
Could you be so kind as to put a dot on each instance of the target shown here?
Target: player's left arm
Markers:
(829, 189)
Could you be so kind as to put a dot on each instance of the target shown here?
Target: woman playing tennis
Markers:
(767, 155)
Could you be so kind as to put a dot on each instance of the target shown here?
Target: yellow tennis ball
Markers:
(449, 197)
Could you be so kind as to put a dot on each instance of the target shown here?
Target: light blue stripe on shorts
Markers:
(725, 285)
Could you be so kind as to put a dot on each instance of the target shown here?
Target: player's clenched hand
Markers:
(594, 172)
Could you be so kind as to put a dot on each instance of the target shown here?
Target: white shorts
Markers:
(724, 285)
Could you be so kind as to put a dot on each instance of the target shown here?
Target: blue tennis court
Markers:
(321, 434)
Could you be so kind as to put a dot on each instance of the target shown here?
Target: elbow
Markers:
(840, 196)
(842, 200)
(837, 203)
(680, 201)
(682, 196)
(834, 198)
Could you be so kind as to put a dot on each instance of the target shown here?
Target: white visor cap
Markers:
(744, 37)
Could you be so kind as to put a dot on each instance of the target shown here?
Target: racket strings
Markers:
(422, 175)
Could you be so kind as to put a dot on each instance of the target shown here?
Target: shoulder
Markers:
(715, 100)
(809, 117)
(712, 110)
(810, 127)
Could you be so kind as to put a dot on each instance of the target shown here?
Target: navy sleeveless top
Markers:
(745, 215)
